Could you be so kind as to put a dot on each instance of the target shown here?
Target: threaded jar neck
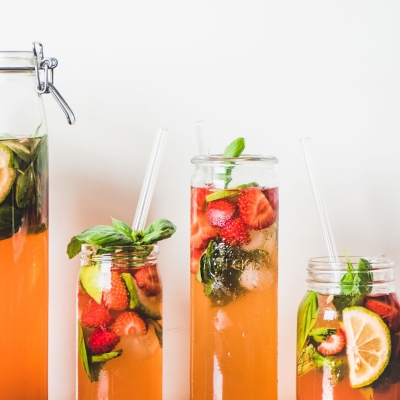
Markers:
(332, 277)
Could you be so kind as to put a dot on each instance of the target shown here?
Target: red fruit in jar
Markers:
(255, 209)
(96, 315)
(201, 231)
(219, 212)
(199, 198)
(129, 323)
(235, 233)
(148, 280)
(194, 260)
(102, 341)
(334, 344)
(387, 307)
(272, 195)
(116, 298)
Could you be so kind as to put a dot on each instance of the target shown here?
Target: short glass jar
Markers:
(119, 320)
(348, 331)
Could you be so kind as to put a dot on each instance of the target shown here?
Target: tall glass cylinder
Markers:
(348, 331)
(119, 312)
(234, 278)
(23, 230)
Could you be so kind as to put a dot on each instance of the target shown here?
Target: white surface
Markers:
(271, 71)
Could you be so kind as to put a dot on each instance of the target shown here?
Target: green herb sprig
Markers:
(120, 234)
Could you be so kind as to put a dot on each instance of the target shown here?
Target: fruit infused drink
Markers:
(348, 336)
(24, 267)
(234, 275)
(119, 312)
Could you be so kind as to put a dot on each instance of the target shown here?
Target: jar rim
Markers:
(16, 60)
(341, 263)
(243, 159)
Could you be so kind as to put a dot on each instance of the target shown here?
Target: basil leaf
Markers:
(103, 235)
(158, 330)
(102, 358)
(306, 317)
(122, 227)
(83, 352)
(158, 230)
(19, 149)
(234, 149)
(25, 187)
(10, 217)
(305, 361)
(74, 247)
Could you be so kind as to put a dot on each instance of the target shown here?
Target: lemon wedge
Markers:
(368, 345)
(7, 174)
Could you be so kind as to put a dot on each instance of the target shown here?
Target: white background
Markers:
(270, 71)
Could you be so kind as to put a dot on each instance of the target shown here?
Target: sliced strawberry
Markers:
(387, 307)
(96, 315)
(199, 198)
(235, 233)
(219, 212)
(148, 280)
(201, 231)
(102, 341)
(334, 344)
(272, 195)
(117, 297)
(194, 260)
(129, 323)
(255, 209)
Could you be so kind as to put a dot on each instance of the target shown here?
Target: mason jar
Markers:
(119, 324)
(24, 221)
(234, 278)
(348, 331)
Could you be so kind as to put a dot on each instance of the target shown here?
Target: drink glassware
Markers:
(24, 77)
(348, 335)
(119, 312)
(234, 278)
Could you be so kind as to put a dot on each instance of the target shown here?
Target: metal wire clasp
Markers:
(44, 70)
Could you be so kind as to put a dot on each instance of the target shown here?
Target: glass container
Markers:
(348, 331)
(234, 278)
(119, 320)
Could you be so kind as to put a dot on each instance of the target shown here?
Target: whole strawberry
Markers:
(116, 298)
(96, 315)
(235, 233)
(102, 341)
(148, 280)
(219, 212)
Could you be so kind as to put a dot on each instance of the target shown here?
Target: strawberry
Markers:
(194, 260)
(102, 341)
(129, 323)
(255, 209)
(219, 212)
(148, 280)
(334, 344)
(387, 307)
(272, 195)
(201, 231)
(96, 315)
(235, 233)
(117, 297)
(199, 198)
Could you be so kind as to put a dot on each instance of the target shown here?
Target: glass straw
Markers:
(202, 138)
(322, 215)
(148, 185)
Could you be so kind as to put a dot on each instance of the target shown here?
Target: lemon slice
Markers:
(367, 345)
(7, 174)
